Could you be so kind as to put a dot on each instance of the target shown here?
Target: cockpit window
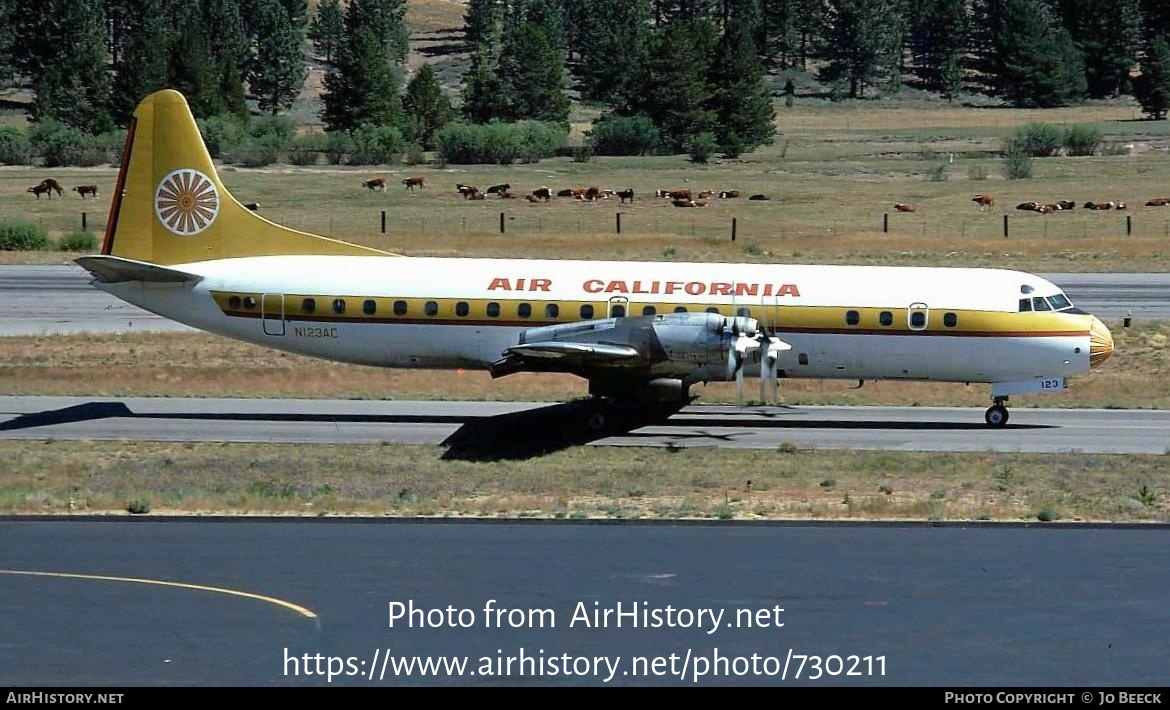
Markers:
(1025, 304)
(1039, 304)
(1060, 302)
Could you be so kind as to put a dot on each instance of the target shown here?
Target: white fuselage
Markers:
(962, 325)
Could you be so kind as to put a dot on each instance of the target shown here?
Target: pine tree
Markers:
(386, 20)
(277, 70)
(6, 40)
(1035, 63)
(229, 55)
(861, 43)
(328, 29)
(939, 38)
(1152, 87)
(1108, 34)
(426, 107)
(742, 100)
(481, 23)
(675, 90)
(482, 100)
(1155, 20)
(142, 62)
(532, 65)
(61, 47)
(612, 44)
(191, 69)
(362, 88)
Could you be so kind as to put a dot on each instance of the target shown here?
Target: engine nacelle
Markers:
(700, 339)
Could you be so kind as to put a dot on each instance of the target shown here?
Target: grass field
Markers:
(197, 364)
(586, 482)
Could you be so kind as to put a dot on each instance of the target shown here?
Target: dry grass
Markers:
(197, 364)
(586, 482)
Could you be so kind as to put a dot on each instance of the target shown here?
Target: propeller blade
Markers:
(739, 383)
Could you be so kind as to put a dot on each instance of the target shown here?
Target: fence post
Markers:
(618, 220)
(501, 223)
(1128, 224)
(383, 221)
(83, 215)
(1005, 226)
(886, 222)
(733, 229)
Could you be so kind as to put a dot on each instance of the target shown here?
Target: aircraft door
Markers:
(272, 313)
(619, 307)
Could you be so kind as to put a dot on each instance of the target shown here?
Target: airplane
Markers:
(178, 244)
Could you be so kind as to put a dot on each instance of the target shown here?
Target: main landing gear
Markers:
(997, 414)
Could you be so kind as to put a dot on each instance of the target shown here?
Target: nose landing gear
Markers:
(997, 414)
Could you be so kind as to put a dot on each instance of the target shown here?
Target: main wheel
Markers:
(996, 416)
(597, 421)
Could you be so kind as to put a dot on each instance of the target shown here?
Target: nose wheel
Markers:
(997, 414)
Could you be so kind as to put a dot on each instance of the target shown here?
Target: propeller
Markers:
(770, 348)
(741, 332)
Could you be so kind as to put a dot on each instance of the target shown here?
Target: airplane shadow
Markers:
(514, 435)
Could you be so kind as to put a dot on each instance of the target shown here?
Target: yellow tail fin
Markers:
(171, 208)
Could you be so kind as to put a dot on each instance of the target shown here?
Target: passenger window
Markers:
(886, 318)
(745, 312)
(234, 302)
(461, 308)
(493, 310)
(712, 309)
(680, 309)
(1025, 305)
(339, 305)
(552, 310)
(649, 310)
(369, 307)
(1039, 304)
(524, 310)
(852, 317)
(619, 312)
(803, 359)
(950, 320)
(308, 305)
(918, 319)
(586, 312)
(400, 308)
(431, 308)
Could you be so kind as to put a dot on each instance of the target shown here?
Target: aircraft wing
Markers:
(114, 269)
(599, 352)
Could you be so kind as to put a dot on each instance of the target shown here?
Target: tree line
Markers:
(669, 75)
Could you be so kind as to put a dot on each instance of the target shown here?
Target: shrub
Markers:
(222, 134)
(14, 146)
(111, 144)
(501, 143)
(138, 506)
(375, 145)
(538, 139)
(1017, 164)
(338, 144)
(937, 172)
(58, 144)
(1047, 515)
(701, 147)
(412, 154)
(274, 130)
(623, 135)
(16, 235)
(1039, 140)
(305, 150)
(78, 241)
(1082, 140)
(976, 172)
(253, 153)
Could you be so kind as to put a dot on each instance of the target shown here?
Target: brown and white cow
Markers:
(375, 184)
(984, 201)
(412, 182)
(84, 190)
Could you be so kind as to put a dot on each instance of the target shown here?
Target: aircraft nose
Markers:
(1100, 343)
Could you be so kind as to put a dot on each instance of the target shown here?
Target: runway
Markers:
(215, 603)
(504, 425)
(39, 300)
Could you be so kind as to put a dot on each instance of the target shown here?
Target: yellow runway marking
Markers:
(160, 583)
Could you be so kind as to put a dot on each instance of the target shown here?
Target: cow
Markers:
(984, 201)
(1158, 202)
(684, 194)
(567, 192)
(728, 194)
(496, 189)
(413, 182)
(84, 190)
(682, 202)
(532, 198)
(759, 197)
(1099, 205)
(466, 190)
(1066, 205)
(1120, 206)
(1028, 206)
(477, 195)
(375, 185)
(505, 195)
(706, 194)
(626, 194)
(252, 205)
(48, 185)
(542, 193)
(594, 193)
(903, 207)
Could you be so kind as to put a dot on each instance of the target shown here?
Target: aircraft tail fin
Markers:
(170, 207)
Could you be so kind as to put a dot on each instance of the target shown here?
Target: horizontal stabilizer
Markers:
(554, 349)
(115, 269)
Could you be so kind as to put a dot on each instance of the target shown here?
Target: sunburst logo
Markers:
(186, 202)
